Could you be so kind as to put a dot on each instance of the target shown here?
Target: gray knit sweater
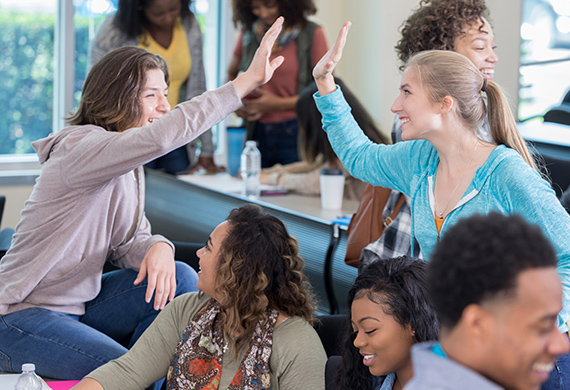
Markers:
(86, 206)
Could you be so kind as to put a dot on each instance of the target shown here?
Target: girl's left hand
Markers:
(322, 72)
(158, 265)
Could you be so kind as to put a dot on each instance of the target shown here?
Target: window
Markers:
(545, 56)
(40, 84)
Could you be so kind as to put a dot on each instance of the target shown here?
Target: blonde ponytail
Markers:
(502, 125)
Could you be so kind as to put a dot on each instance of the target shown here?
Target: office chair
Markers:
(560, 114)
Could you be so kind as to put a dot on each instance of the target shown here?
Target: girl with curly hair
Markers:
(249, 327)
(388, 311)
(270, 111)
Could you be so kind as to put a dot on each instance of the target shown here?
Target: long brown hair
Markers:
(446, 73)
(260, 268)
(313, 141)
(110, 97)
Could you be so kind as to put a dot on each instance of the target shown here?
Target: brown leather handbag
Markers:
(367, 224)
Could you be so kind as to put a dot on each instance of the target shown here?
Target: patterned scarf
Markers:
(286, 36)
(197, 361)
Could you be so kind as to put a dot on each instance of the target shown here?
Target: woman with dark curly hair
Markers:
(249, 327)
(270, 111)
(170, 29)
(389, 311)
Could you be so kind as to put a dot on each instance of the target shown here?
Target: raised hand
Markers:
(322, 72)
(261, 68)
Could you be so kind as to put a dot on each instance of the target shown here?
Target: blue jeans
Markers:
(560, 376)
(68, 347)
(172, 162)
(277, 142)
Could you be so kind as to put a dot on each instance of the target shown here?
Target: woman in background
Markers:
(170, 29)
(389, 311)
(316, 151)
(250, 329)
(270, 111)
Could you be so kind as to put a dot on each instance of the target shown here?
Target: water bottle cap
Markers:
(332, 172)
(252, 143)
(28, 367)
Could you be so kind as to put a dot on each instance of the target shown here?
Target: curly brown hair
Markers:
(260, 269)
(294, 11)
(436, 24)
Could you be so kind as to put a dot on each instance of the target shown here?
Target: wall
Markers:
(16, 195)
(369, 64)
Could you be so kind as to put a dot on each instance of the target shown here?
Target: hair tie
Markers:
(484, 87)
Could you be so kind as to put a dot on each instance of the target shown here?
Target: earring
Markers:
(413, 333)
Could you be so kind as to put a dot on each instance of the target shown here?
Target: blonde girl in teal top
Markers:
(448, 172)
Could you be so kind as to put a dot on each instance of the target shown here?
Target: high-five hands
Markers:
(261, 69)
(324, 68)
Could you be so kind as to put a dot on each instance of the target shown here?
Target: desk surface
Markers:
(309, 206)
(545, 132)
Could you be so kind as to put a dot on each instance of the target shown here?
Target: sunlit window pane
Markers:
(545, 56)
(26, 73)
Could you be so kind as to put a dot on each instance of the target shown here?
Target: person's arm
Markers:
(298, 358)
(149, 358)
(528, 194)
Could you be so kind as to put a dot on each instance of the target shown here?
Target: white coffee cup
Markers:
(332, 188)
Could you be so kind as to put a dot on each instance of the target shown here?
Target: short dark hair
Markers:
(480, 258)
(130, 19)
(436, 24)
(399, 285)
(111, 92)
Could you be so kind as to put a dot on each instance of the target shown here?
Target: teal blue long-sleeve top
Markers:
(504, 183)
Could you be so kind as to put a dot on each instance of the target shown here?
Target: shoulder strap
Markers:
(304, 48)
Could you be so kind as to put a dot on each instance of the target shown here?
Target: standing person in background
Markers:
(170, 29)
(457, 25)
(315, 149)
(270, 110)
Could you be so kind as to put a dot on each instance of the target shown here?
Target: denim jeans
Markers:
(68, 347)
(173, 162)
(277, 142)
(560, 376)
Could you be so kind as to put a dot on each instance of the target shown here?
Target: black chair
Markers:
(561, 113)
(331, 329)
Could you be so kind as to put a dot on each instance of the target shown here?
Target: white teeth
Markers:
(488, 71)
(151, 120)
(368, 357)
(405, 121)
(545, 367)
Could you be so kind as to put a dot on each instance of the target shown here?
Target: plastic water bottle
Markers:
(250, 170)
(28, 380)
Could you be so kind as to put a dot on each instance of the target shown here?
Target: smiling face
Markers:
(209, 256)
(524, 341)
(478, 44)
(382, 341)
(153, 97)
(266, 10)
(162, 14)
(419, 115)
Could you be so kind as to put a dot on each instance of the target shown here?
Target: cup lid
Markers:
(332, 172)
